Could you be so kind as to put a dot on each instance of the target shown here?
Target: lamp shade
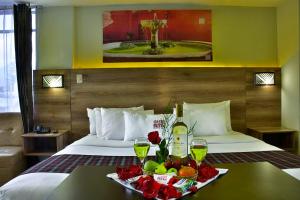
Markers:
(53, 81)
(264, 78)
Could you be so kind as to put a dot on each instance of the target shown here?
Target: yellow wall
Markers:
(288, 59)
(242, 37)
(288, 30)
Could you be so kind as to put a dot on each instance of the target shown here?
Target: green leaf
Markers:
(162, 144)
(166, 153)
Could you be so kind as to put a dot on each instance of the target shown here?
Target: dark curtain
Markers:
(23, 50)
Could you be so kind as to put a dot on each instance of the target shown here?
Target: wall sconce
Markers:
(53, 81)
(264, 78)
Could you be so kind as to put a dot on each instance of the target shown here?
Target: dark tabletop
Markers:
(253, 181)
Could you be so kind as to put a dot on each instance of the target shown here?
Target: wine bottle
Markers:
(179, 147)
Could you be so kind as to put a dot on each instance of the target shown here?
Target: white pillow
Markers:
(92, 119)
(140, 124)
(98, 121)
(208, 121)
(98, 117)
(206, 106)
(113, 125)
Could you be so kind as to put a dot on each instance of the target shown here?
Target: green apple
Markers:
(150, 165)
(173, 170)
(161, 169)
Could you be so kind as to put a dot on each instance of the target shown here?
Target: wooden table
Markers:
(281, 137)
(259, 181)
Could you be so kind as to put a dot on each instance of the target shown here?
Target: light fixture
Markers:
(264, 78)
(53, 81)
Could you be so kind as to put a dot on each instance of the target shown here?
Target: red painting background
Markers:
(181, 25)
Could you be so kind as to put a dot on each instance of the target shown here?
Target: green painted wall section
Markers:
(288, 58)
(288, 30)
(72, 37)
(55, 33)
(244, 36)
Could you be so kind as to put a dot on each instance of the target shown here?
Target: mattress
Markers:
(32, 186)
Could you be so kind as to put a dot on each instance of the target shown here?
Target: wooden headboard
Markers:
(154, 87)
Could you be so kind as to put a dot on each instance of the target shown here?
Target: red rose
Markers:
(154, 138)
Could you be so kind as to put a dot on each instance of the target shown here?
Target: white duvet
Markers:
(37, 186)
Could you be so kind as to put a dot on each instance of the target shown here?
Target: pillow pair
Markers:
(109, 122)
(209, 118)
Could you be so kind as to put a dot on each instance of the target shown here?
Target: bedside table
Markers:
(36, 144)
(281, 137)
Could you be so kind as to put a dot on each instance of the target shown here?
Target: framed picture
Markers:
(157, 35)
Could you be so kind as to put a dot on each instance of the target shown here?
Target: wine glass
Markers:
(141, 148)
(198, 150)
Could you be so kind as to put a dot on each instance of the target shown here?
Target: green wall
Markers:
(288, 58)
(55, 28)
(72, 37)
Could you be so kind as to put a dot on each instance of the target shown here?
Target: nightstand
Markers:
(281, 137)
(35, 144)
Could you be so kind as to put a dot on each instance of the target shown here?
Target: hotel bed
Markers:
(39, 181)
(154, 87)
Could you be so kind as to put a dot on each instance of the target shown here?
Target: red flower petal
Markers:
(206, 172)
(172, 181)
(129, 172)
(150, 194)
(193, 189)
(152, 189)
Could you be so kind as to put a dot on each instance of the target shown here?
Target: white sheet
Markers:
(33, 187)
(235, 142)
(233, 137)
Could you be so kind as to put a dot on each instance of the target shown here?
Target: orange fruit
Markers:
(186, 171)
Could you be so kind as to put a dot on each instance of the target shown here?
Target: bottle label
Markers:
(179, 145)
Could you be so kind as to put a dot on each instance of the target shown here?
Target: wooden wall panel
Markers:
(52, 105)
(154, 88)
(263, 102)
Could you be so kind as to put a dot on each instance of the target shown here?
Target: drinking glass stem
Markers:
(142, 162)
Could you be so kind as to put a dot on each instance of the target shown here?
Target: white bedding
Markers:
(235, 142)
(33, 187)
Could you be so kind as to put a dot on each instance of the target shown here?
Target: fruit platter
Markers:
(178, 168)
(166, 177)
(167, 180)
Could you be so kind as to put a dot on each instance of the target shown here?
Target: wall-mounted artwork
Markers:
(157, 35)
